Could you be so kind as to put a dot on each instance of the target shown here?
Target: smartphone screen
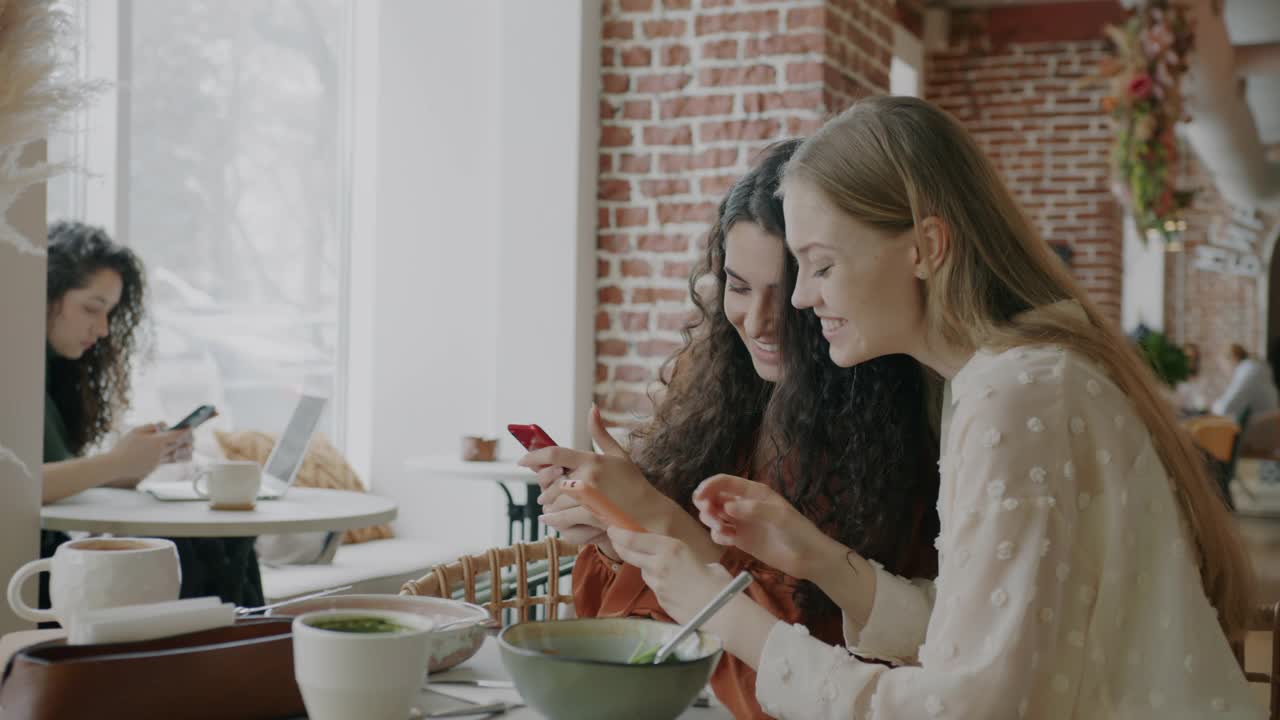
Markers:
(196, 418)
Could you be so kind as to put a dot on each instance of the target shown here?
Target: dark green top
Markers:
(56, 441)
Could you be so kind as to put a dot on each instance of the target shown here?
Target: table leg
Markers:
(532, 510)
(515, 513)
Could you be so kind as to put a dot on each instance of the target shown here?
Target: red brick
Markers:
(761, 21)
(633, 321)
(637, 110)
(611, 348)
(663, 188)
(804, 72)
(614, 190)
(609, 296)
(634, 163)
(668, 82)
(738, 130)
(709, 159)
(624, 401)
(686, 212)
(615, 83)
(632, 373)
(753, 75)
(607, 58)
(606, 163)
(677, 269)
(656, 348)
(697, 105)
(636, 6)
(632, 217)
(717, 185)
(636, 268)
(720, 50)
(602, 321)
(619, 30)
(602, 218)
(678, 135)
(662, 243)
(674, 322)
(664, 28)
(676, 55)
(602, 372)
(788, 100)
(615, 136)
(637, 57)
(604, 268)
(677, 4)
(613, 243)
(786, 44)
(805, 18)
(607, 110)
(649, 296)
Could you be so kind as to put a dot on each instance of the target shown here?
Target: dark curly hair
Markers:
(91, 391)
(853, 448)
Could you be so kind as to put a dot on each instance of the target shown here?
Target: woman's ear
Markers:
(933, 243)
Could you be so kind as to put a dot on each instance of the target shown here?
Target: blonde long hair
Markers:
(890, 162)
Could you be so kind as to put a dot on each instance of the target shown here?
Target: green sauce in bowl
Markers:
(358, 625)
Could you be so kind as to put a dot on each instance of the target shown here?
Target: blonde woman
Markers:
(1087, 567)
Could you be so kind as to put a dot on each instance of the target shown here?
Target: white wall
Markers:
(22, 285)
(1142, 295)
(474, 243)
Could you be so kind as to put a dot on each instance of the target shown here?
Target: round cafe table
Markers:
(131, 512)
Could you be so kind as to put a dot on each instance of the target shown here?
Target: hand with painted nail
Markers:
(754, 518)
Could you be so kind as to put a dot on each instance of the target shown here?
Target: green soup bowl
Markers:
(580, 669)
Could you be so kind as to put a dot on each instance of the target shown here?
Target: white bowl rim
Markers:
(480, 614)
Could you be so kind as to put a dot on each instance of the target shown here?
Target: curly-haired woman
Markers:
(751, 390)
(94, 323)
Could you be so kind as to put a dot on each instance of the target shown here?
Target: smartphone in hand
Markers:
(197, 418)
(531, 437)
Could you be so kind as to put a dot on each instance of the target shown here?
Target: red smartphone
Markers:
(599, 505)
(531, 436)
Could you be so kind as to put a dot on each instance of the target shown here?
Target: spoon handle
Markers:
(739, 584)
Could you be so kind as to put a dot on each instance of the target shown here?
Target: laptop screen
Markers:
(292, 445)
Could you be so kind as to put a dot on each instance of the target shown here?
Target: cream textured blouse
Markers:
(1067, 584)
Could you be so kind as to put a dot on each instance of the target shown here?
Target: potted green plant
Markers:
(1165, 357)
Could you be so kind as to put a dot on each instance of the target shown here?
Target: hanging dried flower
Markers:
(1148, 62)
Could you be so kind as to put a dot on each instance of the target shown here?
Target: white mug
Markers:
(372, 676)
(96, 573)
(232, 485)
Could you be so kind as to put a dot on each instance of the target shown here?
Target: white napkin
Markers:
(133, 623)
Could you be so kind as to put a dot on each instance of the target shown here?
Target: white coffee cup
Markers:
(231, 485)
(96, 573)
(372, 676)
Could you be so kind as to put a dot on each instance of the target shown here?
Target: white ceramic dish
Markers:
(459, 627)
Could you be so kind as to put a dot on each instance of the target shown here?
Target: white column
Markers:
(22, 330)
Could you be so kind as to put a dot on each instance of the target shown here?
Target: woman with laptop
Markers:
(94, 318)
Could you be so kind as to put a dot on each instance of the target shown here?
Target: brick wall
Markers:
(1014, 77)
(691, 91)
(1208, 308)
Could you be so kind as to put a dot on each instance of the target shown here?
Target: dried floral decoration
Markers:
(1145, 71)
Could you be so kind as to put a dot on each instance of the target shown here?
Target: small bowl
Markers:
(459, 627)
(588, 675)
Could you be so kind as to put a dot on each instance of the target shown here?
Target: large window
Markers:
(232, 184)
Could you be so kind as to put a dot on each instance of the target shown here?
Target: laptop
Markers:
(282, 466)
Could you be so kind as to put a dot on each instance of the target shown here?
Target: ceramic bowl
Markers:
(578, 669)
(459, 627)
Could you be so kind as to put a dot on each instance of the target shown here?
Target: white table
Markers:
(501, 472)
(486, 665)
(131, 512)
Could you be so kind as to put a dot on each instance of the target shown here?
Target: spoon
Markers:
(242, 611)
(739, 584)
